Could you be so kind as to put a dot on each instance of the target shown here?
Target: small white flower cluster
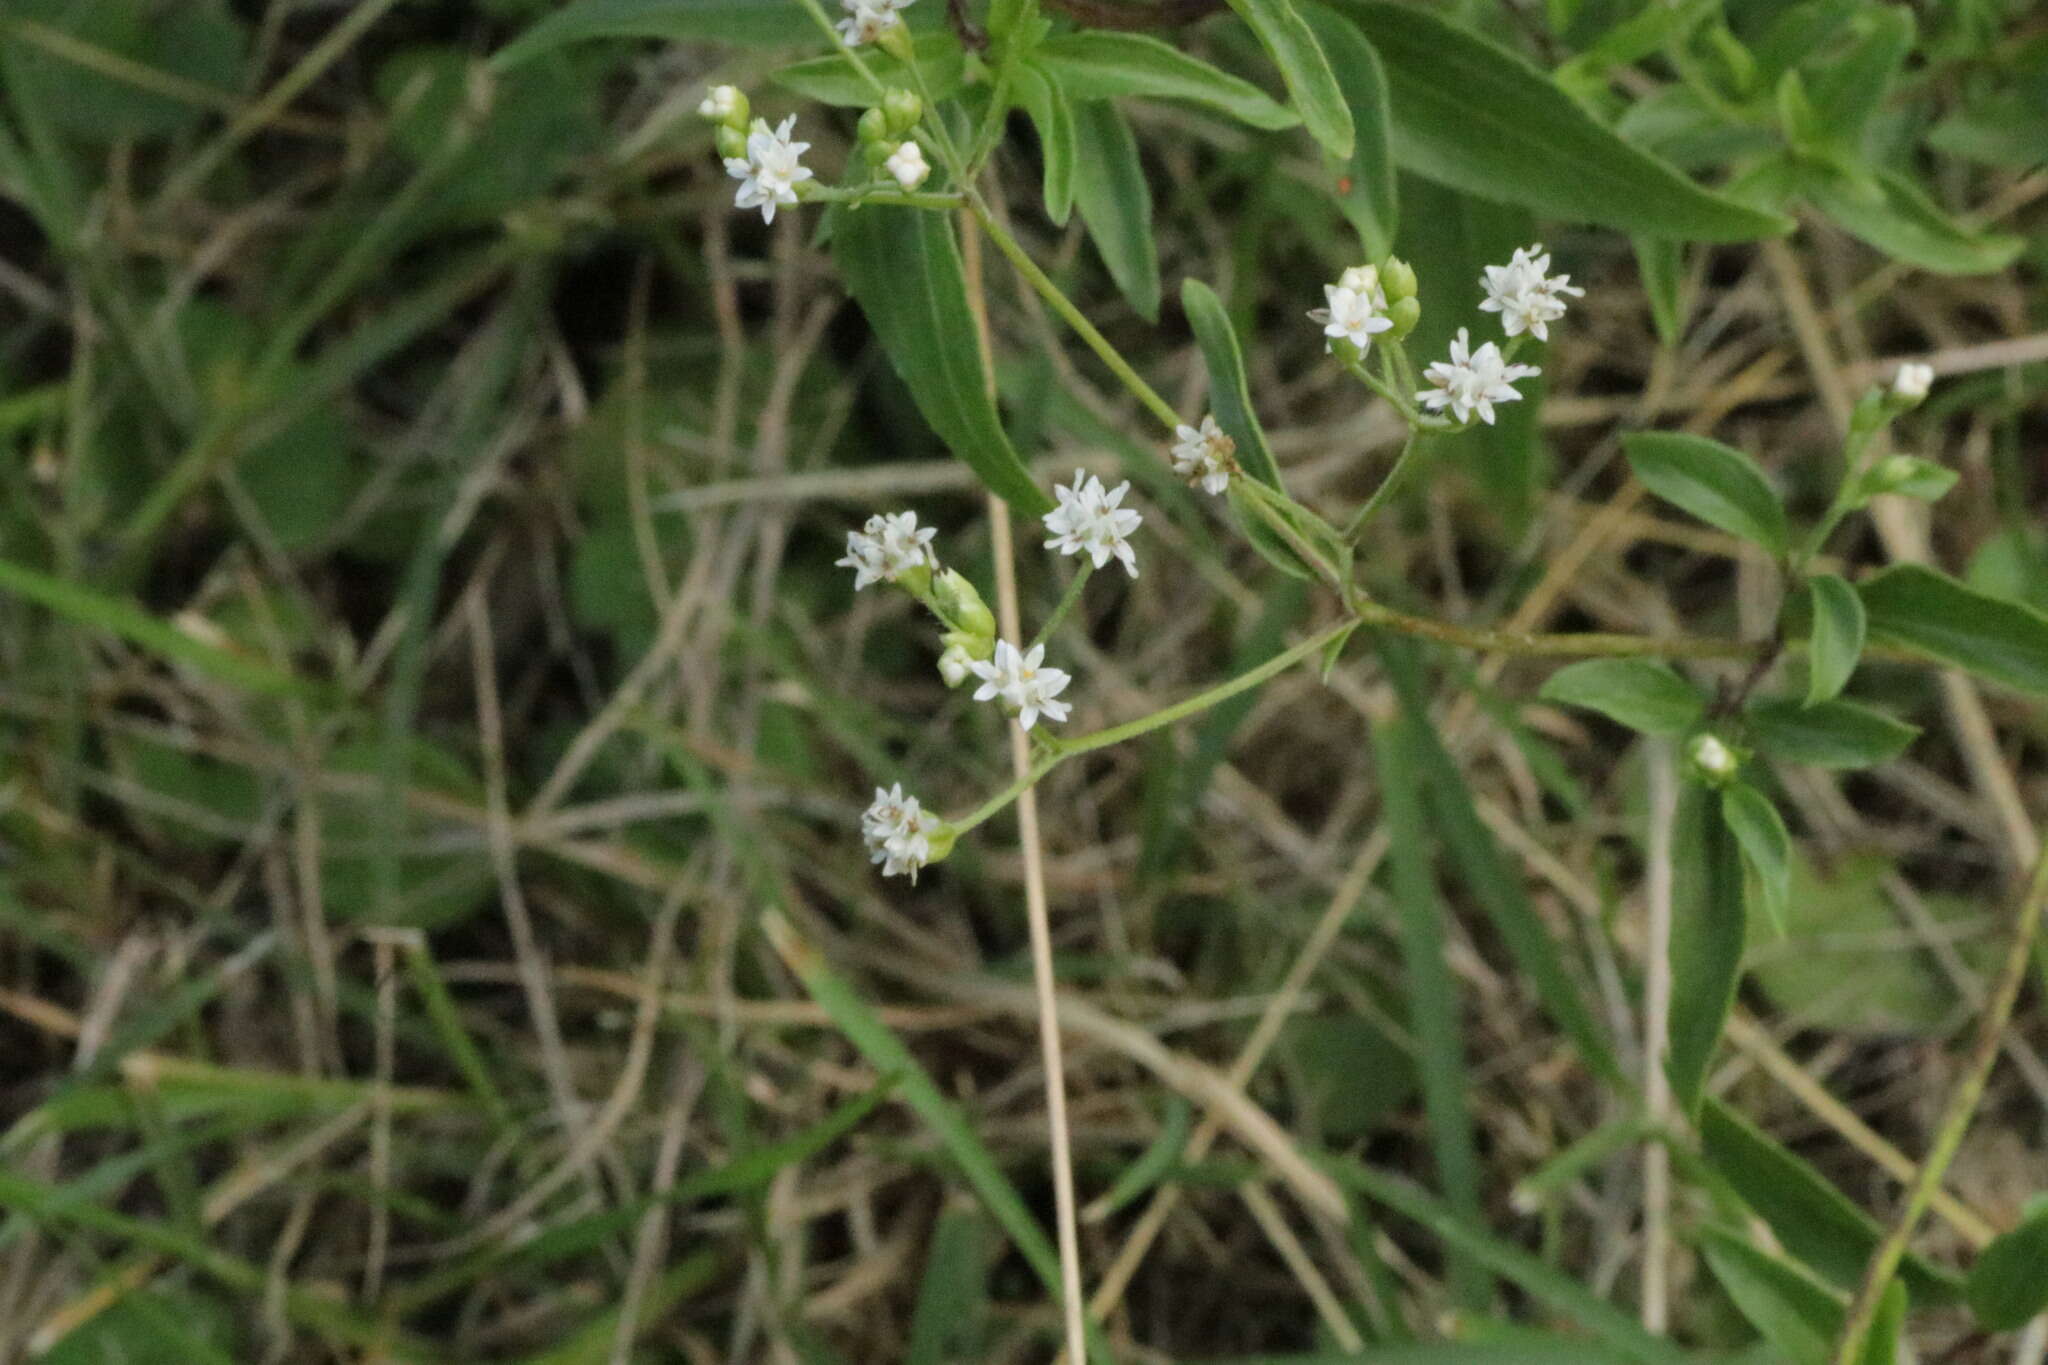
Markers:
(898, 832)
(1204, 456)
(886, 547)
(1090, 521)
(907, 166)
(772, 168)
(1023, 682)
(1525, 294)
(1472, 381)
(867, 20)
(1357, 311)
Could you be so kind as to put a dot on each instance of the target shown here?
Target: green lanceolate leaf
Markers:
(1849, 91)
(1812, 1219)
(1897, 218)
(1311, 85)
(1050, 113)
(1839, 626)
(2009, 1284)
(1477, 116)
(903, 267)
(1115, 202)
(1708, 932)
(1366, 183)
(836, 80)
(1929, 612)
(1638, 693)
(1760, 833)
(1230, 395)
(1791, 1310)
(1098, 66)
(1829, 734)
(754, 23)
(1660, 262)
(1718, 484)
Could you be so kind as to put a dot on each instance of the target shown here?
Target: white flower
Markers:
(771, 170)
(1203, 455)
(897, 832)
(1472, 381)
(1910, 383)
(908, 165)
(868, 20)
(1357, 309)
(885, 547)
(1525, 294)
(721, 102)
(1023, 682)
(1088, 521)
(1715, 760)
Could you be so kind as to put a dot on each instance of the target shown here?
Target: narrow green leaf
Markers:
(884, 1051)
(1921, 609)
(1639, 693)
(1230, 395)
(1660, 262)
(1366, 186)
(836, 80)
(1812, 1219)
(1708, 932)
(1829, 734)
(1156, 1160)
(1311, 85)
(1848, 91)
(1910, 476)
(1050, 113)
(1766, 846)
(1476, 860)
(117, 616)
(1791, 1310)
(2008, 1285)
(1897, 218)
(952, 1300)
(903, 267)
(1839, 627)
(1716, 483)
(1478, 117)
(1115, 201)
(1099, 66)
(1432, 992)
(754, 23)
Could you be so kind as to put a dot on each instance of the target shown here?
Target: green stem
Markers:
(1387, 391)
(1955, 1121)
(1071, 315)
(1386, 488)
(1066, 604)
(1180, 710)
(1853, 465)
(943, 200)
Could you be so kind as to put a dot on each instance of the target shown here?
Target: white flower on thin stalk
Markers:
(1089, 521)
(1357, 310)
(1204, 455)
(897, 832)
(1022, 681)
(867, 20)
(907, 165)
(1910, 384)
(1525, 294)
(771, 169)
(886, 547)
(1472, 381)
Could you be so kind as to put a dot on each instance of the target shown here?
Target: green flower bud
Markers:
(895, 40)
(959, 605)
(732, 142)
(875, 153)
(1404, 314)
(874, 127)
(903, 109)
(1345, 351)
(726, 106)
(1397, 277)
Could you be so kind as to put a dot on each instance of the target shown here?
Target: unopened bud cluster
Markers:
(885, 140)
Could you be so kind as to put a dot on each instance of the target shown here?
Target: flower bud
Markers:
(1397, 277)
(1360, 279)
(907, 165)
(953, 665)
(1712, 760)
(959, 605)
(1909, 385)
(873, 127)
(895, 40)
(876, 153)
(903, 109)
(1404, 314)
(1346, 351)
(726, 106)
(732, 142)
(1910, 476)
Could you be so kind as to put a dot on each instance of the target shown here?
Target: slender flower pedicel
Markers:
(887, 546)
(898, 832)
(1357, 310)
(1089, 521)
(1525, 294)
(1472, 381)
(1023, 682)
(907, 165)
(1204, 455)
(771, 169)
